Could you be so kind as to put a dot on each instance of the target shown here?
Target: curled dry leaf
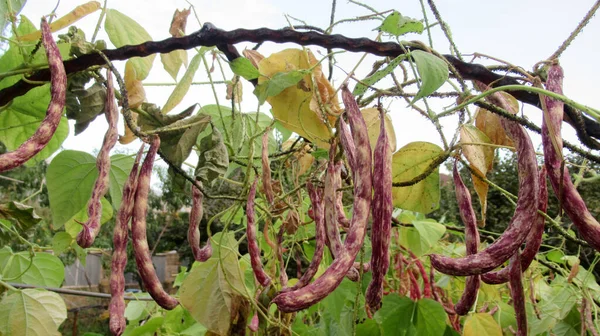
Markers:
(179, 22)
(254, 56)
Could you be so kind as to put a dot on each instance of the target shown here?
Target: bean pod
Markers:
(316, 200)
(517, 294)
(533, 242)
(463, 198)
(58, 91)
(266, 169)
(382, 217)
(333, 276)
(116, 308)
(91, 227)
(193, 236)
(143, 259)
(347, 142)
(560, 179)
(253, 247)
(524, 216)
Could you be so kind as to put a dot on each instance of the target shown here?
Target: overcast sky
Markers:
(521, 32)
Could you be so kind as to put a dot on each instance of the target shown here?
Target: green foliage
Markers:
(40, 269)
(31, 312)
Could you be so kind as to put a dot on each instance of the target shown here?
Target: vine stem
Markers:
(583, 23)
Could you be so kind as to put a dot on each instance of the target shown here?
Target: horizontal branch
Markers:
(209, 35)
(79, 293)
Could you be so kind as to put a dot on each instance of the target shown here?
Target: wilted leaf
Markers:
(213, 157)
(254, 56)
(361, 87)
(409, 162)
(210, 291)
(84, 105)
(489, 123)
(398, 25)
(177, 145)
(235, 90)
(123, 30)
(372, 119)
(179, 22)
(293, 107)
(433, 73)
(480, 157)
(32, 312)
(136, 94)
(75, 15)
(481, 324)
(22, 218)
(181, 89)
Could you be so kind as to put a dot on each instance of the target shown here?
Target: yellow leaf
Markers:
(481, 188)
(129, 137)
(297, 107)
(135, 90)
(371, 116)
(481, 324)
(67, 20)
(303, 160)
(409, 162)
(489, 123)
(480, 157)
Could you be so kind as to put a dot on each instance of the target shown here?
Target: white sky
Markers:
(522, 32)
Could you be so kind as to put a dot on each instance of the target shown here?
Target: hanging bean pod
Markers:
(253, 248)
(143, 259)
(204, 253)
(58, 91)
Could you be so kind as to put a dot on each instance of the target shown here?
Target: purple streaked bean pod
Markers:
(143, 259)
(116, 308)
(346, 141)
(520, 226)
(253, 248)
(333, 276)
(58, 91)
(193, 236)
(560, 179)
(91, 227)
(463, 198)
(382, 217)
(533, 242)
(517, 294)
(316, 200)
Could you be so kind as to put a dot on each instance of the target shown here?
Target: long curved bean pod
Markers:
(193, 236)
(330, 199)
(517, 294)
(91, 227)
(328, 281)
(116, 308)
(572, 203)
(382, 217)
(143, 259)
(316, 200)
(253, 248)
(463, 198)
(524, 216)
(58, 92)
(533, 242)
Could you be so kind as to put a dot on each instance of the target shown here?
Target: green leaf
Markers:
(430, 318)
(73, 225)
(61, 242)
(242, 66)
(481, 324)
(276, 84)
(368, 328)
(22, 118)
(337, 310)
(213, 157)
(43, 270)
(149, 328)
(196, 329)
(70, 178)
(397, 25)
(137, 310)
(395, 315)
(570, 326)
(32, 312)
(172, 61)
(433, 72)
(207, 291)
(123, 30)
(409, 162)
(181, 89)
(423, 237)
(5, 11)
(361, 87)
